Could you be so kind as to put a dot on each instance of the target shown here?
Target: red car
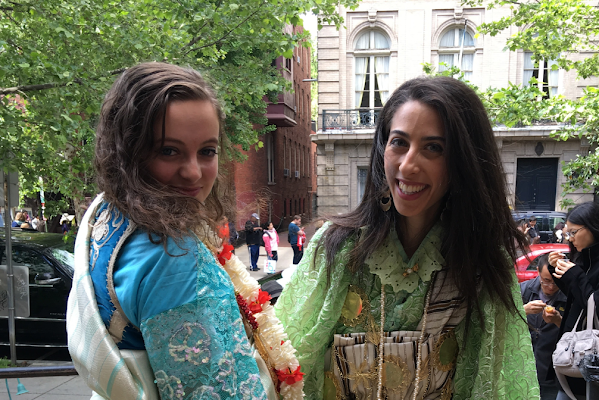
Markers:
(526, 269)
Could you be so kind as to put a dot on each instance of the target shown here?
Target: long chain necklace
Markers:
(382, 344)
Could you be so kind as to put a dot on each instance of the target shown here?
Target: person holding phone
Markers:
(578, 277)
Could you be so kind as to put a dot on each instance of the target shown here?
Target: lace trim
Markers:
(389, 264)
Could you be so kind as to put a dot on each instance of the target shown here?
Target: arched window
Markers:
(371, 50)
(457, 43)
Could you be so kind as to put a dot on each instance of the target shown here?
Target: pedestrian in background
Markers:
(293, 231)
(253, 239)
(544, 305)
(578, 279)
(271, 241)
(533, 232)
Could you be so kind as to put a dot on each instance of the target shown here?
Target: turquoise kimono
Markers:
(180, 307)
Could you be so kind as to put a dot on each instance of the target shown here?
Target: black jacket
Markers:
(544, 336)
(578, 283)
(252, 236)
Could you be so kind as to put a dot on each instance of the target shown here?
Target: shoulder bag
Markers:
(574, 346)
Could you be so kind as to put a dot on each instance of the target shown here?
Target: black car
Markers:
(546, 221)
(50, 261)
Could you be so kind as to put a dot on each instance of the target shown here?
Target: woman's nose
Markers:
(192, 169)
(408, 164)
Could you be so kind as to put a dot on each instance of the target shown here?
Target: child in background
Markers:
(271, 241)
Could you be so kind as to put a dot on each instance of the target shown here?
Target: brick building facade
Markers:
(276, 180)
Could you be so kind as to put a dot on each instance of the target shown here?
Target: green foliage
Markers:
(59, 57)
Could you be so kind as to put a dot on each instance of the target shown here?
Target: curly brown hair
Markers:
(124, 143)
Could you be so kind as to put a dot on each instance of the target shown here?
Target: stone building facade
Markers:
(385, 43)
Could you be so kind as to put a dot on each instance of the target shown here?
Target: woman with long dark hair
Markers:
(413, 294)
(578, 278)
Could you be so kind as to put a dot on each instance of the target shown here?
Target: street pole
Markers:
(9, 271)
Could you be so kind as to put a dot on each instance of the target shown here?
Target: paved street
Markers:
(74, 388)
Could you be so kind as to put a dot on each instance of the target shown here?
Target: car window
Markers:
(33, 260)
(533, 265)
(65, 257)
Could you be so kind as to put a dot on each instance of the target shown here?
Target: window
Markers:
(362, 172)
(372, 69)
(455, 44)
(270, 158)
(543, 72)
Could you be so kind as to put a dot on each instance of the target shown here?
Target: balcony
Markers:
(284, 112)
(345, 121)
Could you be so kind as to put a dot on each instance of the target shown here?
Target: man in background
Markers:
(253, 238)
(533, 232)
(544, 304)
(293, 231)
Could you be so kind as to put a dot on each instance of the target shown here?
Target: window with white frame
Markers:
(371, 51)
(456, 48)
(544, 72)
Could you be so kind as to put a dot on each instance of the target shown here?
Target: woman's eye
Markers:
(435, 147)
(209, 152)
(398, 142)
(167, 151)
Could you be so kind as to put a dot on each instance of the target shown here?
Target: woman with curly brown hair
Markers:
(154, 310)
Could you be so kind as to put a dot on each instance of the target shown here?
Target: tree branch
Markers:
(44, 86)
(223, 36)
(198, 37)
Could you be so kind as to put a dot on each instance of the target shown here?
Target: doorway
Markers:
(536, 183)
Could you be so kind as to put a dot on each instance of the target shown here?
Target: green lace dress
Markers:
(496, 363)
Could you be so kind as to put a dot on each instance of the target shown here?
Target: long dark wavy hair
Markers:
(480, 234)
(124, 145)
(587, 215)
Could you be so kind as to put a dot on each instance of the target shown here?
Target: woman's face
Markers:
(270, 226)
(580, 236)
(415, 161)
(187, 161)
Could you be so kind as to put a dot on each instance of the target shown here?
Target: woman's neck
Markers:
(412, 231)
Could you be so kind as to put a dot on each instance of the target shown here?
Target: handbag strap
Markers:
(591, 316)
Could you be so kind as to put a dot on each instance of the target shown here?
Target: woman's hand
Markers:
(561, 266)
(554, 256)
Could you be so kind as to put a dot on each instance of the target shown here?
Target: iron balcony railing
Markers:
(349, 120)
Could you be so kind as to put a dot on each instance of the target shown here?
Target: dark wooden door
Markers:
(536, 183)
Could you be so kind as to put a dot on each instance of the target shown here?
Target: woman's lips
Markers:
(192, 192)
(410, 190)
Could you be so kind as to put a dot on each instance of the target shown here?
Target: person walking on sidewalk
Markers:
(294, 230)
(253, 235)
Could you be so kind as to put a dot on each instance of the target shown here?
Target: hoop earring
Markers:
(385, 201)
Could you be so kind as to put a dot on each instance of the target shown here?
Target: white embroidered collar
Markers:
(391, 264)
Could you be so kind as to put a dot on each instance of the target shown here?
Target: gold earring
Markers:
(386, 201)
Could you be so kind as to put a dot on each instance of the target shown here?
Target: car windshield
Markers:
(65, 257)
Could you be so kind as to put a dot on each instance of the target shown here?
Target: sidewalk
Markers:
(74, 388)
(48, 388)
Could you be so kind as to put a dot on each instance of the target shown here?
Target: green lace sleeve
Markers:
(500, 357)
(309, 311)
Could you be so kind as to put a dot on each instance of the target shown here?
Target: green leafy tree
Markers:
(59, 57)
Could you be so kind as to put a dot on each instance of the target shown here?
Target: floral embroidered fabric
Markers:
(495, 363)
(200, 350)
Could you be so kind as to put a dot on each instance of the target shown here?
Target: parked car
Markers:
(526, 268)
(50, 261)
(546, 221)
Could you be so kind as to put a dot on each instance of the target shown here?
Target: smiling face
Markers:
(582, 237)
(415, 162)
(187, 161)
